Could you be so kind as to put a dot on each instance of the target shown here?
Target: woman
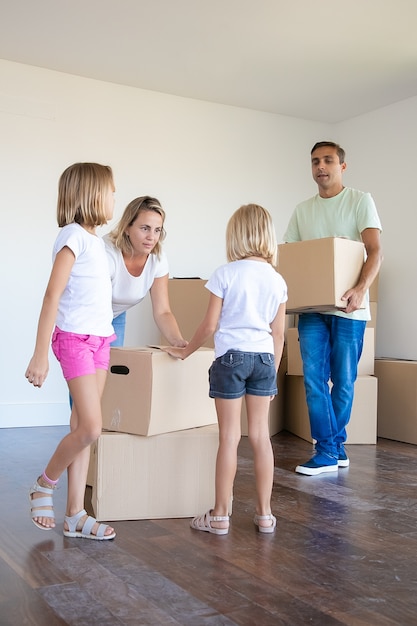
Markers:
(138, 265)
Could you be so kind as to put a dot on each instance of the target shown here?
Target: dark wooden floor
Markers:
(345, 550)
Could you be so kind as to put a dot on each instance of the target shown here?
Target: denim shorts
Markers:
(80, 355)
(238, 373)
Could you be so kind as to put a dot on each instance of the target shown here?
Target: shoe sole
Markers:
(344, 463)
(314, 471)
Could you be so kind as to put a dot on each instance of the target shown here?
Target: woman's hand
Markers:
(177, 353)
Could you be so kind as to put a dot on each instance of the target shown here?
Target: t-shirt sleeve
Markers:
(70, 238)
(214, 284)
(162, 268)
(367, 214)
(292, 233)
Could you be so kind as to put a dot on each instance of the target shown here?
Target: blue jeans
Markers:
(119, 325)
(331, 347)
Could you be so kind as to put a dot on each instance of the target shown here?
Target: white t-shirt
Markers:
(252, 292)
(129, 290)
(85, 305)
(346, 215)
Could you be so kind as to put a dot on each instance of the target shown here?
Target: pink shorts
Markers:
(80, 355)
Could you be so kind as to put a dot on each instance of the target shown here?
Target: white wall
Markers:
(201, 160)
(381, 154)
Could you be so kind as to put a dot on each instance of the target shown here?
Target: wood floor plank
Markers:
(343, 553)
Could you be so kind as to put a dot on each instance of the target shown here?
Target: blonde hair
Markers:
(119, 235)
(82, 192)
(250, 232)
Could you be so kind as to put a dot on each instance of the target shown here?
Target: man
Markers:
(331, 343)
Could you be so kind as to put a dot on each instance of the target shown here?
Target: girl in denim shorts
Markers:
(77, 312)
(246, 314)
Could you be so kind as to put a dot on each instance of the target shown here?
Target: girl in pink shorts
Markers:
(77, 312)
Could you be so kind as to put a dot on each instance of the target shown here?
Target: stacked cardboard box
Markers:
(397, 399)
(163, 476)
(148, 392)
(156, 455)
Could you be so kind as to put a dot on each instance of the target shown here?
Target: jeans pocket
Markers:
(267, 359)
(232, 358)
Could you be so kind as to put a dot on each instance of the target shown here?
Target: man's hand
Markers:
(354, 299)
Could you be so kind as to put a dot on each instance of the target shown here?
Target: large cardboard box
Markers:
(188, 299)
(276, 409)
(319, 271)
(365, 365)
(148, 392)
(362, 427)
(170, 475)
(397, 399)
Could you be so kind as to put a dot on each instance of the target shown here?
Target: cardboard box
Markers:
(397, 399)
(362, 427)
(148, 392)
(319, 271)
(166, 476)
(188, 299)
(276, 409)
(365, 365)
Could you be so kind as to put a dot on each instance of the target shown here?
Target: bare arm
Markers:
(278, 330)
(371, 237)
(38, 367)
(203, 332)
(162, 314)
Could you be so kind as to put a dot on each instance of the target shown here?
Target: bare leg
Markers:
(72, 452)
(263, 457)
(228, 415)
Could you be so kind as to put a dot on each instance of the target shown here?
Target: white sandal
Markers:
(37, 503)
(264, 518)
(203, 522)
(87, 527)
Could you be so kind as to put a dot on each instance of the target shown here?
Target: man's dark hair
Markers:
(330, 144)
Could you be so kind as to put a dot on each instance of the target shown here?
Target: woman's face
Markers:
(145, 232)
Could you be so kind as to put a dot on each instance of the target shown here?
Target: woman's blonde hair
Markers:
(250, 232)
(119, 235)
(82, 190)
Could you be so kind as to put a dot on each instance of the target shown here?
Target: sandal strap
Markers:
(36, 504)
(36, 487)
(74, 519)
(88, 525)
(207, 518)
(219, 518)
(264, 517)
(39, 502)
